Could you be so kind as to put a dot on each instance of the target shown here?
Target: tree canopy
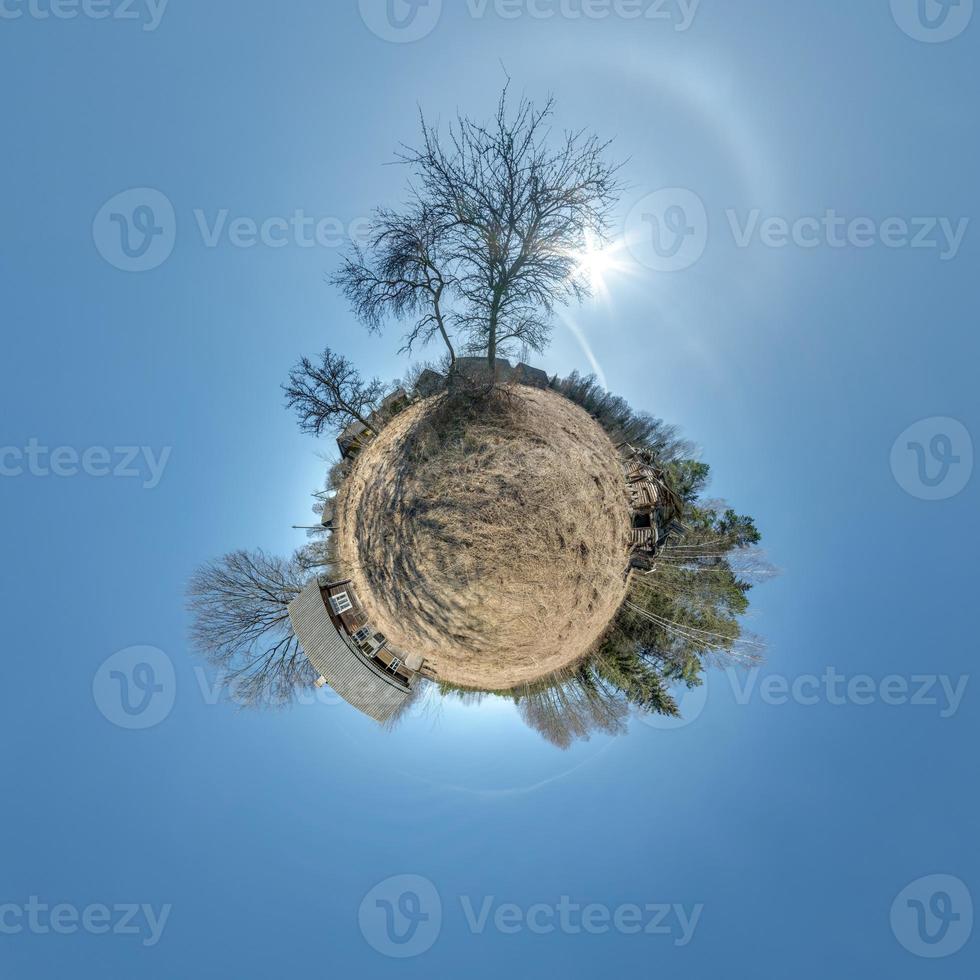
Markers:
(330, 393)
(241, 625)
(491, 238)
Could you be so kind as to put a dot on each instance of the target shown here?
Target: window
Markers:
(362, 635)
(341, 603)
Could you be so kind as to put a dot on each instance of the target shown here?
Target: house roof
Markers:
(350, 434)
(348, 672)
(531, 375)
(478, 367)
(429, 382)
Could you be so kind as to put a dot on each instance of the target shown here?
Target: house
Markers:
(657, 507)
(533, 377)
(353, 439)
(391, 405)
(429, 383)
(477, 369)
(348, 654)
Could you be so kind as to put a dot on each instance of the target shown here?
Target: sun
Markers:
(598, 261)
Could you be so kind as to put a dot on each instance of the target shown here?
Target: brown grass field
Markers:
(493, 539)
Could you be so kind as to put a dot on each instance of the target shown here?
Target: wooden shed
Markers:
(355, 664)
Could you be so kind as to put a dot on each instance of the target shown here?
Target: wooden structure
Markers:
(349, 655)
(657, 508)
(354, 438)
(533, 377)
(429, 383)
(477, 370)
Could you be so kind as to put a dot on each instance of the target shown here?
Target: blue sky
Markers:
(781, 827)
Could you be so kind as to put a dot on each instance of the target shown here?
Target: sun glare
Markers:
(598, 262)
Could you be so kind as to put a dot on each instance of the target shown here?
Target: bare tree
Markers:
(331, 394)
(573, 708)
(493, 236)
(241, 625)
(400, 273)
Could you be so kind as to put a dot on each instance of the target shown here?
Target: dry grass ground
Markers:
(492, 541)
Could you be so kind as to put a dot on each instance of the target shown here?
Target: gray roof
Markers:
(350, 435)
(479, 367)
(531, 375)
(347, 671)
(430, 382)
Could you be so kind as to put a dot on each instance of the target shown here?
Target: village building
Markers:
(353, 439)
(349, 654)
(477, 369)
(657, 508)
(533, 377)
(429, 383)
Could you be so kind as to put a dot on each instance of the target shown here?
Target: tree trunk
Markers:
(442, 329)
